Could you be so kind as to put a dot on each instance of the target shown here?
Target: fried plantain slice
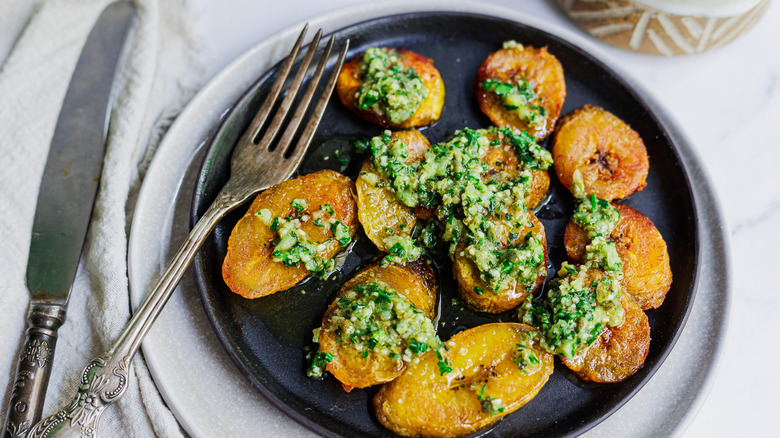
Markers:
(397, 100)
(486, 373)
(359, 368)
(502, 157)
(249, 268)
(619, 352)
(610, 156)
(478, 294)
(522, 88)
(380, 212)
(647, 274)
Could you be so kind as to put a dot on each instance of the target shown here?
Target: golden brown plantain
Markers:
(248, 268)
(416, 281)
(350, 81)
(478, 295)
(381, 214)
(647, 274)
(610, 156)
(537, 66)
(422, 402)
(619, 352)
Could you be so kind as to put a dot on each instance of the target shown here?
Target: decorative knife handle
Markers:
(33, 369)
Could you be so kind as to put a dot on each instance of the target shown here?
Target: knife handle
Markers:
(33, 369)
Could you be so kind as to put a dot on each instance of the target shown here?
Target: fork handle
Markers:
(105, 379)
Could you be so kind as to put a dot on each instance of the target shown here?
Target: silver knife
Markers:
(67, 194)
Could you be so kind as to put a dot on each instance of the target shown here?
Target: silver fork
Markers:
(254, 166)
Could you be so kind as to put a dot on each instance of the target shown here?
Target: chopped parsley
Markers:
(401, 249)
(292, 246)
(341, 233)
(317, 363)
(389, 87)
(361, 144)
(377, 319)
(492, 406)
(524, 355)
(518, 98)
(472, 205)
(299, 204)
(343, 160)
(417, 347)
(444, 364)
(585, 299)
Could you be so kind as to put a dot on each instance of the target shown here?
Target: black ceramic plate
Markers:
(267, 337)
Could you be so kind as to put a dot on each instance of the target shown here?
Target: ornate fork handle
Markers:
(102, 382)
(105, 378)
(254, 167)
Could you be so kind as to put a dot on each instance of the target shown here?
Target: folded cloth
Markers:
(159, 76)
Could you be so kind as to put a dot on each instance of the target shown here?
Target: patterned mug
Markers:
(665, 27)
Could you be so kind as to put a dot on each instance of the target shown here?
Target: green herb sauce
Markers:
(598, 219)
(317, 361)
(472, 206)
(524, 355)
(519, 98)
(389, 88)
(585, 299)
(376, 318)
(571, 316)
(490, 405)
(401, 249)
(293, 246)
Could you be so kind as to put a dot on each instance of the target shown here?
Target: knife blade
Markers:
(65, 200)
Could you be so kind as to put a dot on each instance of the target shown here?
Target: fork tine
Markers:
(284, 108)
(259, 120)
(303, 105)
(319, 109)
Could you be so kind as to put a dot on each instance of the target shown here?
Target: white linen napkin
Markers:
(160, 74)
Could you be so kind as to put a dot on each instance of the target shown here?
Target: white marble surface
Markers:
(727, 101)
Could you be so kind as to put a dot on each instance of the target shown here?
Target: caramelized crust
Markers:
(422, 402)
(610, 156)
(540, 68)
